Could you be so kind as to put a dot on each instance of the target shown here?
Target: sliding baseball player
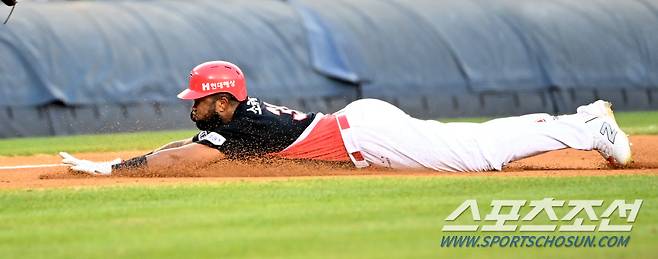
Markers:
(367, 132)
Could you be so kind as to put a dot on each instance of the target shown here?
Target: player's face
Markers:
(203, 108)
(204, 113)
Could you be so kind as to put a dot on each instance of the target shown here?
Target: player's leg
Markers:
(389, 137)
(592, 127)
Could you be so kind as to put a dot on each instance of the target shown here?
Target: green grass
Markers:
(91, 143)
(636, 123)
(318, 218)
(631, 122)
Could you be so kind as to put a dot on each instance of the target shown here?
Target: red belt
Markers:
(344, 124)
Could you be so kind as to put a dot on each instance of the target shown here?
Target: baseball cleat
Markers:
(611, 142)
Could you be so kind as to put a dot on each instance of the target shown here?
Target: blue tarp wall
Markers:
(83, 67)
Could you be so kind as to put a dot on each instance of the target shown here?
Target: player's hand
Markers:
(89, 167)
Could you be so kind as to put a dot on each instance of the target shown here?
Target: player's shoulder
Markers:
(251, 106)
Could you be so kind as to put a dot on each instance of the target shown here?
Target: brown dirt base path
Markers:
(566, 162)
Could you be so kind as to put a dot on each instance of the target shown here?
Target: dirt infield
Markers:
(558, 163)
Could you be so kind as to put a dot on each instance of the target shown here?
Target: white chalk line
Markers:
(31, 166)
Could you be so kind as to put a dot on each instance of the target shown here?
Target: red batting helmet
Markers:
(215, 77)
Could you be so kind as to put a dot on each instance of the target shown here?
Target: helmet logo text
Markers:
(217, 85)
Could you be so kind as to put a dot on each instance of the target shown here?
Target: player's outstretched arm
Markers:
(192, 155)
(186, 156)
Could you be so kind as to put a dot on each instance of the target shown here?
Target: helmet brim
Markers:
(188, 94)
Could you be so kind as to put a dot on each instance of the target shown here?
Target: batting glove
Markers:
(89, 167)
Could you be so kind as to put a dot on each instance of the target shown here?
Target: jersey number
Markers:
(278, 110)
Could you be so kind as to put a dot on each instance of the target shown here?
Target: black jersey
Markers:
(257, 128)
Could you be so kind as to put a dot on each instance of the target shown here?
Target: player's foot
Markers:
(611, 142)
